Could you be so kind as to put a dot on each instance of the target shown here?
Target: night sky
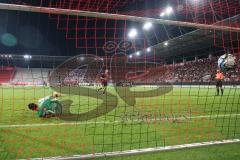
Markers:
(31, 33)
(44, 34)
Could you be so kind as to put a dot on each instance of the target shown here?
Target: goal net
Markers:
(124, 77)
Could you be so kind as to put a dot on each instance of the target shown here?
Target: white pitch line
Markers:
(140, 151)
(113, 122)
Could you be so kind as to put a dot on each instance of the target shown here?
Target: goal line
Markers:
(141, 151)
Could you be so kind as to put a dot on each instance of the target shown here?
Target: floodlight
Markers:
(149, 49)
(162, 14)
(132, 33)
(169, 10)
(147, 26)
(27, 57)
(165, 43)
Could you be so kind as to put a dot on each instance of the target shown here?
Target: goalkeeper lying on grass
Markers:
(47, 107)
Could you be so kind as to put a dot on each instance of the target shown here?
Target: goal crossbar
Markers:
(27, 8)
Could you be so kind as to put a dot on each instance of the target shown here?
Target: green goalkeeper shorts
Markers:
(57, 108)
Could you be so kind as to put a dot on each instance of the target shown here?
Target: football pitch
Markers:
(181, 116)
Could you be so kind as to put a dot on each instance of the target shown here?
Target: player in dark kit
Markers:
(219, 78)
(104, 82)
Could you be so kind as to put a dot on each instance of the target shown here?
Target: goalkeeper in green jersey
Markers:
(47, 107)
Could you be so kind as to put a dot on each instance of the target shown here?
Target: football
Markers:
(227, 62)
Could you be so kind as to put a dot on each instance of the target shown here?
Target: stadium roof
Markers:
(198, 42)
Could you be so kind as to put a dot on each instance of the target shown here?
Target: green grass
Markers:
(153, 121)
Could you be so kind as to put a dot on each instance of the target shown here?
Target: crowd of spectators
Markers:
(201, 70)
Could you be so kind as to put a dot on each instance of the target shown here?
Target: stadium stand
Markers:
(30, 76)
(75, 77)
(202, 70)
(6, 74)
